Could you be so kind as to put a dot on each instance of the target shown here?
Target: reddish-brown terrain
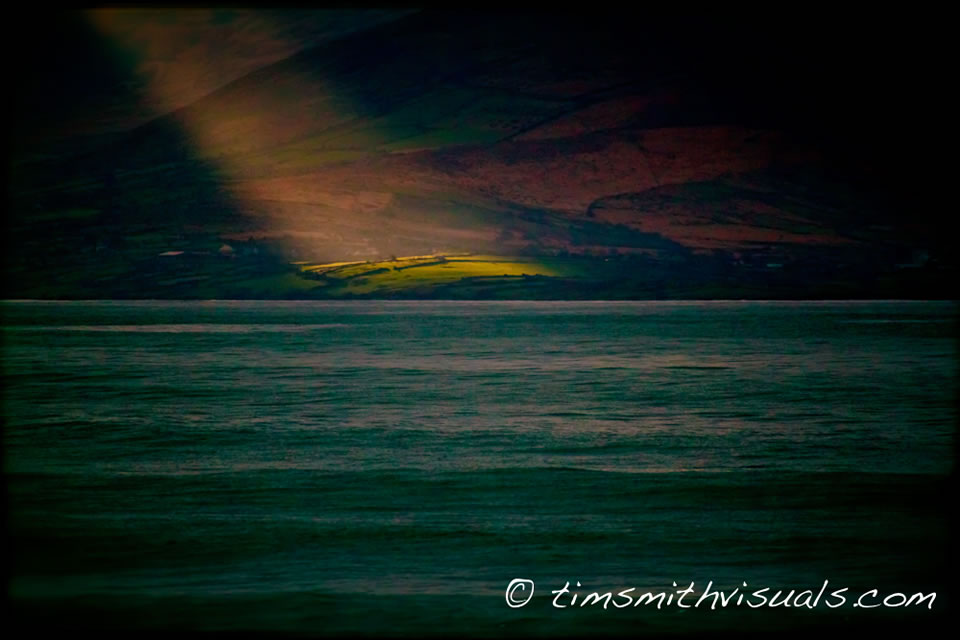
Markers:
(330, 137)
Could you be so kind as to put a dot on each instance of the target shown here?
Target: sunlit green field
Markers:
(420, 272)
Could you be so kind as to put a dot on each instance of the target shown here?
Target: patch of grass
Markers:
(424, 273)
(271, 286)
(308, 267)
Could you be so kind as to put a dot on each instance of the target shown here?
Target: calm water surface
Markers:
(387, 468)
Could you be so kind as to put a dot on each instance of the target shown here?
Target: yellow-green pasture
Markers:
(415, 272)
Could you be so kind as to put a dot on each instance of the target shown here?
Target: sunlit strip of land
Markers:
(421, 272)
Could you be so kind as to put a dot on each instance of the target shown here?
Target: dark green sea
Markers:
(387, 468)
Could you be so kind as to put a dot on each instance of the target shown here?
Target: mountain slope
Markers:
(501, 133)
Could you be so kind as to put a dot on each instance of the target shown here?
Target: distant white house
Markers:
(225, 250)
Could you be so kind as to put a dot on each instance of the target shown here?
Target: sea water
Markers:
(389, 468)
